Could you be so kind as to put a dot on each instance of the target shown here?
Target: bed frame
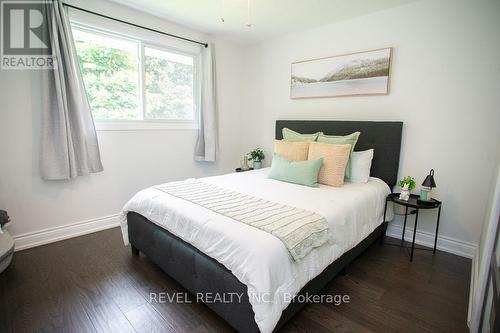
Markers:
(199, 273)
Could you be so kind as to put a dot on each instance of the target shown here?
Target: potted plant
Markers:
(407, 185)
(256, 155)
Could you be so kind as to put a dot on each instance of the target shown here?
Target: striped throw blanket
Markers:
(299, 230)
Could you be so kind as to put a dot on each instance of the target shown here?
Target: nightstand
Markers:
(415, 204)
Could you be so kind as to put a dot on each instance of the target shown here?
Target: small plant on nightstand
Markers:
(407, 184)
(256, 155)
(408, 180)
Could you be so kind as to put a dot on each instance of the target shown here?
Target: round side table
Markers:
(415, 203)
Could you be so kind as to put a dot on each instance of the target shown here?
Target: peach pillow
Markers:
(292, 151)
(335, 157)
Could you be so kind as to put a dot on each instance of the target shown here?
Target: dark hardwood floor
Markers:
(93, 283)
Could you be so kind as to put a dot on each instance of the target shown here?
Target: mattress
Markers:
(256, 258)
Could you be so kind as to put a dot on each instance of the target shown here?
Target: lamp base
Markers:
(425, 194)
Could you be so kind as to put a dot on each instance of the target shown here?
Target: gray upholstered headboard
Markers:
(383, 136)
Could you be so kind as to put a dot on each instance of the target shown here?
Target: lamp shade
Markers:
(429, 180)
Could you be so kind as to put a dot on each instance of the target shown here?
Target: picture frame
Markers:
(353, 74)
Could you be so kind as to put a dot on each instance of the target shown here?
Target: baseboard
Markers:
(447, 244)
(50, 235)
(46, 236)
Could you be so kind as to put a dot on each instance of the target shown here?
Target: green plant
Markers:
(408, 180)
(256, 155)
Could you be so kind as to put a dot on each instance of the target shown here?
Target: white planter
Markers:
(405, 195)
(257, 164)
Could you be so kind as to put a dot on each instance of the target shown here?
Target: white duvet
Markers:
(256, 258)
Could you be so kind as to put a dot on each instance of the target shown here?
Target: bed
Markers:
(210, 253)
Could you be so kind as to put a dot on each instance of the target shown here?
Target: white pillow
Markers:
(361, 162)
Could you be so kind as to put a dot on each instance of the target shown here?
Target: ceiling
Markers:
(269, 18)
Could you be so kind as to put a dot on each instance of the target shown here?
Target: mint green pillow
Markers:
(289, 135)
(338, 139)
(302, 173)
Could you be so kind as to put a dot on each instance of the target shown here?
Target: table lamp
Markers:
(427, 185)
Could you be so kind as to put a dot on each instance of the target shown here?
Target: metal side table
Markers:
(415, 204)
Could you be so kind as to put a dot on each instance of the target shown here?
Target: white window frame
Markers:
(141, 123)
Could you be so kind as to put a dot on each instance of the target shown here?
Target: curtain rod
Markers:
(136, 25)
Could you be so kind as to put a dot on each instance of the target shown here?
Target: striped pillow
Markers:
(339, 139)
(335, 157)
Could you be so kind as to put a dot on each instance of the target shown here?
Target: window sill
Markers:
(144, 126)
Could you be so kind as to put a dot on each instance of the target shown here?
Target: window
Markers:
(169, 87)
(110, 69)
(128, 80)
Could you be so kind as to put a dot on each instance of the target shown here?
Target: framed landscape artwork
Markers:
(362, 73)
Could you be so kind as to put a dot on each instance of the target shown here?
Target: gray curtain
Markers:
(69, 146)
(206, 145)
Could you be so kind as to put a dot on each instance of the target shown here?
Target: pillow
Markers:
(301, 173)
(290, 135)
(361, 163)
(346, 139)
(292, 151)
(335, 159)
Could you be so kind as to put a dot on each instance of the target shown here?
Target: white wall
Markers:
(132, 159)
(445, 88)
